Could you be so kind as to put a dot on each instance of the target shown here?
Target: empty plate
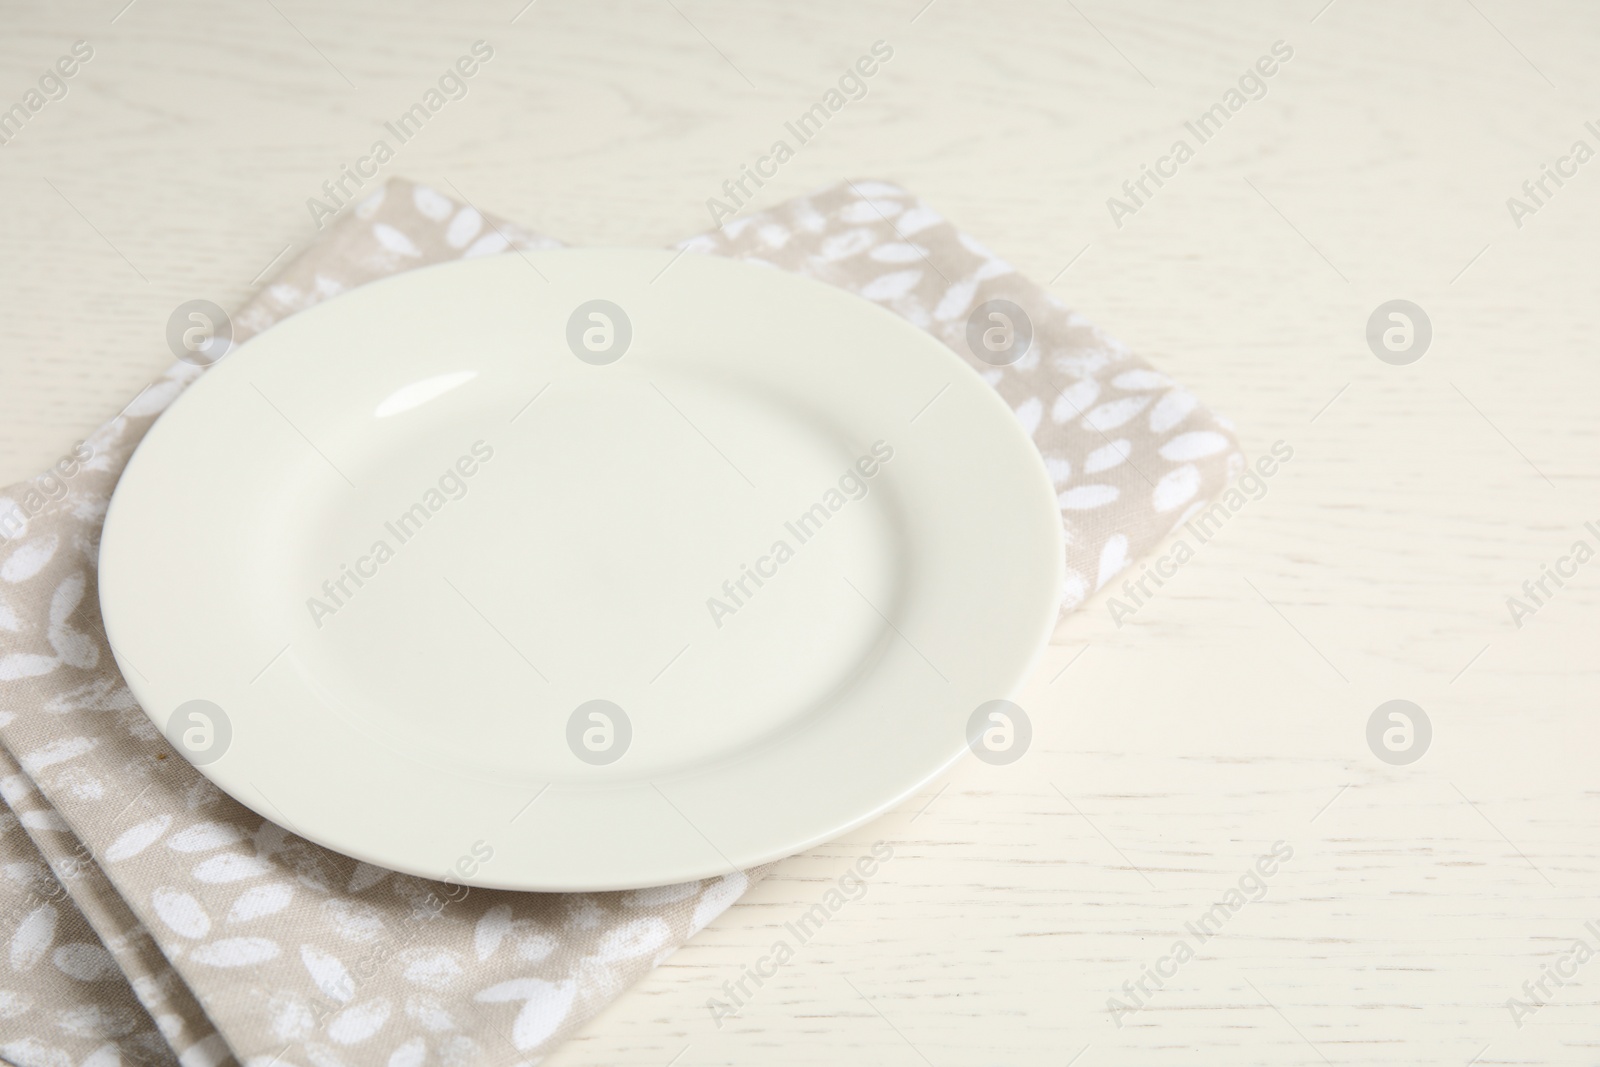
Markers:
(580, 569)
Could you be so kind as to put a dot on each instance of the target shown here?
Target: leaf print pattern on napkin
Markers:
(305, 958)
(1132, 455)
(77, 1002)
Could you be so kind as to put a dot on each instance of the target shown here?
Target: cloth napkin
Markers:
(146, 917)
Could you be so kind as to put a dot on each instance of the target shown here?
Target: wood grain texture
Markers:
(1230, 712)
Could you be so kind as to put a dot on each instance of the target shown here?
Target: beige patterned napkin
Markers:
(108, 986)
(146, 917)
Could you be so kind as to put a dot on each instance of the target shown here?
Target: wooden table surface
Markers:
(1230, 713)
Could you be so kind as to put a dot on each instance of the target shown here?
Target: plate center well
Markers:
(709, 559)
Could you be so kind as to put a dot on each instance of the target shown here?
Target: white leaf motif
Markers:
(464, 227)
(719, 895)
(8, 615)
(74, 649)
(203, 837)
(67, 597)
(1074, 400)
(68, 748)
(1114, 413)
(208, 1052)
(1141, 380)
(85, 962)
(230, 867)
(1171, 410)
(134, 841)
(106, 1055)
(44, 819)
(431, 204)
(491, 243)
(1176, 488)
(34, 1053)
(918, 219)
(25, 665)
(859, 211)
(181, 911)
(365, 876)
(355, 1025)
(410, 1053)
(261, 900)
(491, 929)
(29, 558)
(637, 938)
(1194, 445)
(1113, 557)
(898, 252)
(1108, 455)
(956, 300)
(236, 952)
(1029, 412)
(395, 241)
(545, 1007)
(891, 286)
(33, 937)
(328, 973)
(1086, 497)
(846, 244)
(436, 971)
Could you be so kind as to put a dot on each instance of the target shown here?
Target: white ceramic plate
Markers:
(371, 570)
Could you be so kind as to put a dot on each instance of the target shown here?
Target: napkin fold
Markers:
(147, 917)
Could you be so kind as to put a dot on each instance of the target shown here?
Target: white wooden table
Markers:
(1231, 712)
